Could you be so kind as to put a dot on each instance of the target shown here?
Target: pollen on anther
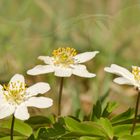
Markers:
(64, 56)
(136, 72)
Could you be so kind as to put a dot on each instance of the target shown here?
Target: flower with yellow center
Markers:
(64, 56)
(126, 77)
(64, 62)
(16, 97)
(14, 92)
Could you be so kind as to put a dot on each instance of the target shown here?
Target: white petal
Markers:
(1, 94)
(80, 70)
(6, 110)
(37, 88)
(46, 59)
(63, 72)
(83, 57)
(122, 81)
(120, 71)
(40, 69)
(22, 112)
(1, 87)
(2, 98)
(17, 77)
(39, 102)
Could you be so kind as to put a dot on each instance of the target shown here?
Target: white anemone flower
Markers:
(126, 77)
(64, 63)
(16, 97)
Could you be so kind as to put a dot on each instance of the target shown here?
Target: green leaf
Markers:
(57, 130)
(72, 135)
(96, 111)
(51, 133)
(123, 116)
(85, 128)
(107, 127)
(42, 134)
(110, 107)
(121, 130)
(4, 132)
(15, 138)
(19, 126)
(129, 137)
(79, 114)
(90, 138)
(38, 121)
(31, 137)
(103, 97)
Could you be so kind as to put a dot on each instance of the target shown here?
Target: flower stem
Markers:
(60, 95)
(136, 113)
(12, 127)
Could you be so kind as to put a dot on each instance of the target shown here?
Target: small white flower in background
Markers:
(126, 77)
(16, 97)
(64, 63)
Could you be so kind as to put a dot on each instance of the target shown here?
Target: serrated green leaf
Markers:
(96, 111)
(123, 116)
(42, 134)
(110, 107)
(53, 132)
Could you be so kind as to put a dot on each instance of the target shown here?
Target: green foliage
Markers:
(97, 111)
(123, 116)
(105, 127)
(83, 129)
(15, 138)
(124, 129)
(90, 138)
(38, 121)
(129, 137)
(20, 129)
(110, 107)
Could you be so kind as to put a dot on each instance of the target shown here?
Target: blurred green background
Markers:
(29, 28)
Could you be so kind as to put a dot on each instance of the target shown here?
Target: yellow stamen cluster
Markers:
(14, 92)
(64, 56)
(136, 72)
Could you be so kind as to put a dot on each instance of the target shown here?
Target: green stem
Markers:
(12, 127)
(60, 95)
(136, 113)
